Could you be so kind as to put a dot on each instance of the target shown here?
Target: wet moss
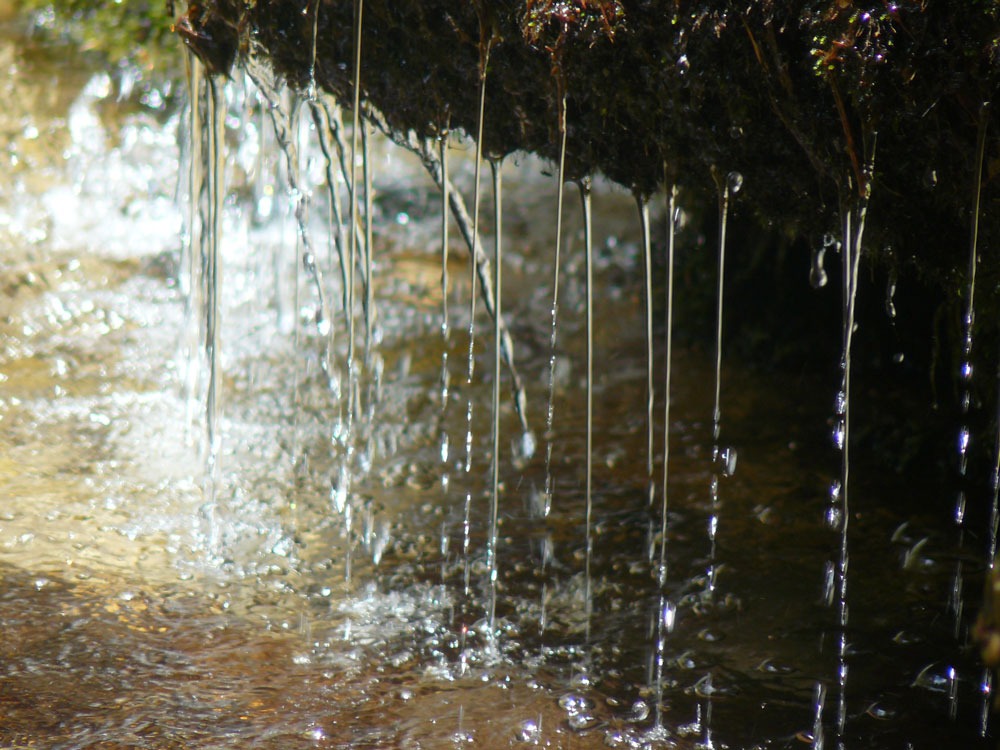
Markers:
(792, 95)
(138, 32)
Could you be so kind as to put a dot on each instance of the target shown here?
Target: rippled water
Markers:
(137, 613)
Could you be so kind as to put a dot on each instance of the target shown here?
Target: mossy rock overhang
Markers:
(813, 103)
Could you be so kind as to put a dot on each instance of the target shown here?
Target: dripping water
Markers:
(329, 126)
(359, 6)
(368, 281)
(723, 459)
(964, 433)
(496, 168)
(212, 289)
(666, 611)
(310, 92)
(471, 365)
(817, 272)
(550, 408)
(194, 247)
(588, 243)
(853, 233)
(445, 378)
(647, 254)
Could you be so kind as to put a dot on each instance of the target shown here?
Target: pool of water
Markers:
(330, 587)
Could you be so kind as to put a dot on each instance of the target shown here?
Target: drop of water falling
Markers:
(727, 461)
(817, 273)
(735, 182)
(683, 64)
(960, 508)
(668, 616)
(839, 431)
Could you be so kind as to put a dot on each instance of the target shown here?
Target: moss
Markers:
(137, 31)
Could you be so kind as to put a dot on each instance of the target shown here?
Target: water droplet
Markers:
(833, 517)
(581, 722)
(963, 440)
(735, 182)
(639, 712)
(727, 461)
(829, 576)
(835, 491)
(683, 64)
(839, 432)
(668, 616)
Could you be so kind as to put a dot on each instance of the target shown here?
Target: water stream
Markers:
(358, 583)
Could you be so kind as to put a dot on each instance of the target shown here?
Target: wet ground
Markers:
(318, 597)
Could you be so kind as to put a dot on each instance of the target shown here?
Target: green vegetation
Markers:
(137, 31)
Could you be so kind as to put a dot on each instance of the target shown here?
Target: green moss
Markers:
(136, 31)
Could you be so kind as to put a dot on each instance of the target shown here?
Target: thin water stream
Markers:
(345, 596)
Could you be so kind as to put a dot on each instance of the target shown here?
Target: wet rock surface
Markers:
(815, 103)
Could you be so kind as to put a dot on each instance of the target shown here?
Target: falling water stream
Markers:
(343, 594)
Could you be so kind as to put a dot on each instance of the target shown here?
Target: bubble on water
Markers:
(581, 722)
(572, 703)
(530, 731)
